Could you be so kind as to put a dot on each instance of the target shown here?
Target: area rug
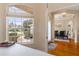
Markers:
(52, 46)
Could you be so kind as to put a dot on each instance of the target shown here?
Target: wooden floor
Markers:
(65, 49)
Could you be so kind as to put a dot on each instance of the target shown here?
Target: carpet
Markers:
(52, 46)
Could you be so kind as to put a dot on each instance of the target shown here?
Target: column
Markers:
(40, 26)
(51, 16)
(76, 27)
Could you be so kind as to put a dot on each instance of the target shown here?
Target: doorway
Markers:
(63, 26)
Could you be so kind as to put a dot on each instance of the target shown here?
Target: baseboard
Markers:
(61, 40)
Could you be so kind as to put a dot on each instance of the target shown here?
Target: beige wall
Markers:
(2, 22)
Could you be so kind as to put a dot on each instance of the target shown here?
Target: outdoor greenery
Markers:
(26, 25)
(25, 29)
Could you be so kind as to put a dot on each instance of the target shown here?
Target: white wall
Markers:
(2, 22)
(64, 21)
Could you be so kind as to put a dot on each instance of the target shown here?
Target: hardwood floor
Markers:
(65, 49)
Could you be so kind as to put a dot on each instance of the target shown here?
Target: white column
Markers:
(2, 22)
(51, 16)
(49, 30)
(76, 20)
(77, 27)
(40, 26)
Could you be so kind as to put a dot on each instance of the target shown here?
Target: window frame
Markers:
(32, 41)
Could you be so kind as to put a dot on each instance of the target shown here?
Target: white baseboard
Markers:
(61, 40)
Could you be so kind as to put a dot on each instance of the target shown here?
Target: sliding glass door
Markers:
(20, 29)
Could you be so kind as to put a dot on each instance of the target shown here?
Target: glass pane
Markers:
(20, 29)
(11, 28)
(27, 26)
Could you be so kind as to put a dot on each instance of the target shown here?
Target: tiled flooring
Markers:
(65, 49)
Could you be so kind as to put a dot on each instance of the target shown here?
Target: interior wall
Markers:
(2, 22)
(60, 25)
(64, 21)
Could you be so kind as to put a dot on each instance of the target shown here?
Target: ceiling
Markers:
(52, 7)
(57, 7)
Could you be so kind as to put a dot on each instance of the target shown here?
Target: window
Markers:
(20, 29)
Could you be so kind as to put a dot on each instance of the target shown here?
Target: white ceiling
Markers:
(56, 7)
(75, 8)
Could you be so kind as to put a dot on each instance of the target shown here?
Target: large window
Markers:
(20, 28)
